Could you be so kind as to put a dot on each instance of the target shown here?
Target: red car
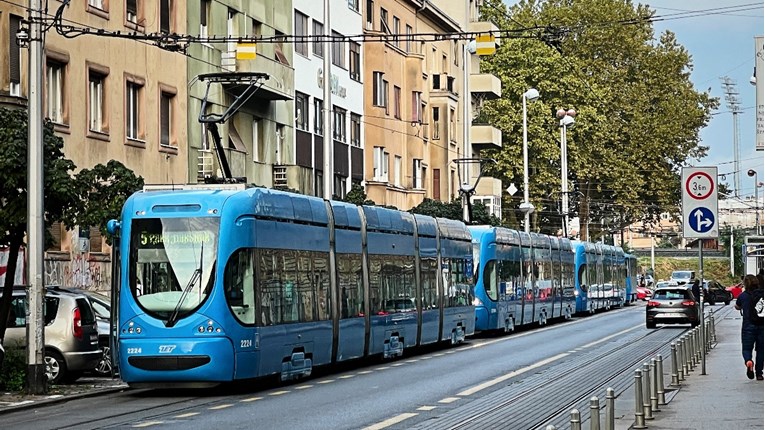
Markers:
(735, 289)
(643, 293)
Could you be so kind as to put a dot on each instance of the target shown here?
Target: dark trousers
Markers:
(751, 338)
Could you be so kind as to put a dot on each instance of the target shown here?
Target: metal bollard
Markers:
(550, 427)
(675, 376)
(576, 420)
(647, 391)
(610, 408)
(682, 370)
(660, 384)
(639, 411)
(594, 413)
(654, 386)
(688, 350)
(714, 332)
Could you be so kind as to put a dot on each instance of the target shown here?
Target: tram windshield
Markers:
(172, 262)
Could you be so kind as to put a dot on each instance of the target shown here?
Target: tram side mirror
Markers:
(113, 227)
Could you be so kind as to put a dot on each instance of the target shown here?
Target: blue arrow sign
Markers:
(701, 220)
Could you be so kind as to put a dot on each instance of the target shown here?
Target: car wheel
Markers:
(104, 366)
(55, 367)
(694, 324)
(727, 302)
(650, 324)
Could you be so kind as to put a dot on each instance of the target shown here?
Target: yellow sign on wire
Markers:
(484, 44)
(246, 51)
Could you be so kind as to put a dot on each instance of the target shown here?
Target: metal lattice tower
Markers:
(734, 104)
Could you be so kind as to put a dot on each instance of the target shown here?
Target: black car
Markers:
(714, 292)
(672, 305)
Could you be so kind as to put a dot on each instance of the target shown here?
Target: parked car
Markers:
(102, 307)
(683, 276)
(716, 293)
(735, 289)
(672, 305)
(71, 334)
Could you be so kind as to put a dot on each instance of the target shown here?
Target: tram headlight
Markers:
(576, 292)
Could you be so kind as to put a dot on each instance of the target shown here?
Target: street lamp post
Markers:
(753, 172)
(527, 208)
(566, 118)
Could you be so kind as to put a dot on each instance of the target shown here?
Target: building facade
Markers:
(109, 99)
(346, 102)
(258, 139)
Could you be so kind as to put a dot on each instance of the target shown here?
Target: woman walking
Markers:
(751, 327)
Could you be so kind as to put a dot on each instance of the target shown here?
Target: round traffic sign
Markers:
(699, 185)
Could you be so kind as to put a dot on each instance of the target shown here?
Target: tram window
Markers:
(351, 286)
(239, 285)
(429, 278)
(458, 286)
(490, 279)
(391, 282)
(305, 296)
(321, 278)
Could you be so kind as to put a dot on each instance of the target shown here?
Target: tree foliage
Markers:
(639, 115)
(89, 198)
(357, 196)
(453, 210)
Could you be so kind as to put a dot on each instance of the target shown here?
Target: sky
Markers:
(721, 44)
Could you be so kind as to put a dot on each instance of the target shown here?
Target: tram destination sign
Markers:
(699, 190)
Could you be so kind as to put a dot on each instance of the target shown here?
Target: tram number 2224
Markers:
(245, 343)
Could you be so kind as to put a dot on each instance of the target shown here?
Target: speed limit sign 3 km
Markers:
(699, 189)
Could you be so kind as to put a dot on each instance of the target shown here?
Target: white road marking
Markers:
(449, 400)
(148, 424)
(512, 374)
(365, 372)
(426, 408)
(278, 393)
(383, 368)
(326, 381)
(186, 415)
(303, 387)
(251, 399)
(347, 376)
(390, 421)
(215, 408)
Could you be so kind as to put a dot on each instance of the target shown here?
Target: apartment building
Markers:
(109, 99)
(346, 102)
(258, 139)
(417, 108)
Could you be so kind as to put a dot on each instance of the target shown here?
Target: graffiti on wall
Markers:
(20, 261)
(80, 271)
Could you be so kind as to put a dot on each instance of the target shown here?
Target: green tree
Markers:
(453, 210)
(738, 242)
(358, 196)
(59, 189)
(639, 115)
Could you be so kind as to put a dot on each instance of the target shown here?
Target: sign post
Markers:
(700, 221)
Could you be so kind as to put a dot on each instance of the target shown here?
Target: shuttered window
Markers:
(96, 240)
(165, 118)
(164, 16)
(55, 233)
(14, 50)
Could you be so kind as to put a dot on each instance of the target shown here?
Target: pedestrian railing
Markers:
(686, 354)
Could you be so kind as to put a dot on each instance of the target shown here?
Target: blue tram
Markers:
(225, 284)
(521, 278)
(599, 276)
(630, 261)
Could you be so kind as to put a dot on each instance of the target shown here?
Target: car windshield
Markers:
(681, 275)
(172, 263)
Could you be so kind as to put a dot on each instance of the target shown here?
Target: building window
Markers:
(355, 130)
(96, 102)
(204, 16)
(355, 61)
(456, 52)
(165, 16)
(166, 114)
(133, 111)
(279, 48)
(436, 117)
(384, 21)
(416, 106)
(396, 102)
(301, 33)
(131, 11)
(14, 56)
(353, 5)
(370, 14)
(452, 125)
(318, 117)
(338, 50)
(338, 120)
(380, 164)
(301, 111)
(318, 46)
(418, 174)
(409, 38)
(396, 30)
(256, 141)
(98, 4)
(379, 90)
(397, 171)
(55, 91)
(341, 187)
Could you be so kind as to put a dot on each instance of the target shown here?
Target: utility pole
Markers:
(37, 382)
(734, 104)
(329, 174)
(466, 149)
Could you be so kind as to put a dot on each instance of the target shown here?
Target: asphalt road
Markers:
(532, 377)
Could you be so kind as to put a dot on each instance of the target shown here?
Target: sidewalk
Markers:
(723, 399)
(83, 387)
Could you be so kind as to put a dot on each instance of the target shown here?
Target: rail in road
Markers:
(534, 400)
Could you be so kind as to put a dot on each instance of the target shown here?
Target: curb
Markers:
(29, 404)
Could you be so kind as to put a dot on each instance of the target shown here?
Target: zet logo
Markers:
(166, 349)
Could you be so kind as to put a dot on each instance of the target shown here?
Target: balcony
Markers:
(484, 136)
(485, 27)
(486, 84)
(280, 84)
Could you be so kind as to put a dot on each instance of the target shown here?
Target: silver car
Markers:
(71, 335)
(672, 305)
